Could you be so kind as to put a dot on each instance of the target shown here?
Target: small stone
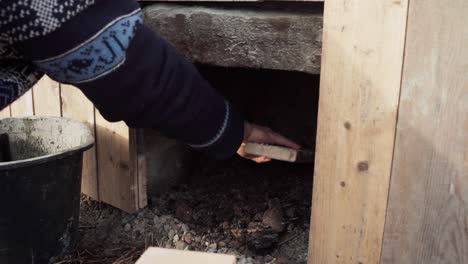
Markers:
(273, 217)
(212, 248)
(127, 227)
(180, 245)
(157, 220)
(187, 248)
(290, 212)
(171, 234)
(281, 260)
(222, 250)
(176, 238)
(185, 228)
(184, 213)
(188, 238)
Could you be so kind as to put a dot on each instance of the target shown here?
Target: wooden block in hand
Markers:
(280, 153)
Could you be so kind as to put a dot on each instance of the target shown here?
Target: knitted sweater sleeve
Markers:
(132, 74)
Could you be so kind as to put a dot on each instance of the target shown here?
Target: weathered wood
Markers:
(171, 256)
(282, 40)
(23, 106)
(139, 170)
(76, 106)
(427, 216)
(118, 180)
(47, 97)
(360, 82)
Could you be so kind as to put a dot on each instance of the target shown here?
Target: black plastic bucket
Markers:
(40, 187)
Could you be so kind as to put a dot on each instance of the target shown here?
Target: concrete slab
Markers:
(282, 40)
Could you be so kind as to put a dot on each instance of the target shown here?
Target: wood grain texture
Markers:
(47, 97)
(23, 106)
(427, 218)
(76, 106)
(360, 83)
(136, 149)
(118, 179)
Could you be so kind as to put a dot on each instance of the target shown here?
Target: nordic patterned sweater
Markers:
(128, 71)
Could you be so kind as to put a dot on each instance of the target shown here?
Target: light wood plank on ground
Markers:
(76, 106)
(47, 97)
(360, 83)
(172, 256)
(427, 218)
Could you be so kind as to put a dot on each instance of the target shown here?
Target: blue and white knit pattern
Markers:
(97, 56)
(16, 77)
(21, 20)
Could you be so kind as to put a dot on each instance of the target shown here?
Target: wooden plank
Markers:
(47, 97)
(76, 106)
(24, 105)
(360, 82)
(118, 179)
(427, 217)
(231, 1)
(172, 256)
(6, 112)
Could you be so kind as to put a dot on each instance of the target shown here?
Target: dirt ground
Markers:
(260, 213)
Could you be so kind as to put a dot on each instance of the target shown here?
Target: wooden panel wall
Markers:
(360, 84)
(427, 218)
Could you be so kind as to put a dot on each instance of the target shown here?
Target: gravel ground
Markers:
(260, 213)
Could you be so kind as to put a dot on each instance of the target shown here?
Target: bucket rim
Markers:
(89, 142)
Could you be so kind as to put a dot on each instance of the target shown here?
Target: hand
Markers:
(258, 134)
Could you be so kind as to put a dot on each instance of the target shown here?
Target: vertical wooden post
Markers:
(76, 106)
(117, 159)
(360, 84)
(427, 218)
(46, 97)
(5, 112)
(23, 106)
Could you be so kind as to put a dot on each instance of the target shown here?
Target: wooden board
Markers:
(76, 106)
(5, 112)
(117, 170)
(427, 218)
(172, 256)
(23, 106)
(47, 97)
(230, 1)
(360, 83)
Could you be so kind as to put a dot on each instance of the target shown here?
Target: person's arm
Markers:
(132, 74)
